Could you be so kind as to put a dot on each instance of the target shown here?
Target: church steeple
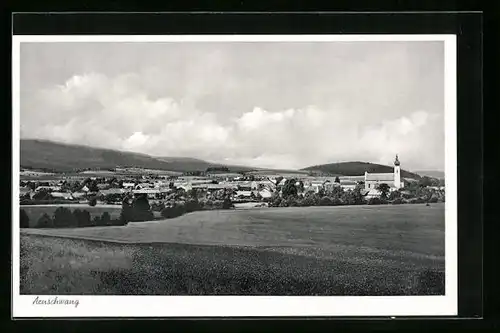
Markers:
(397, 173)
(396, 161)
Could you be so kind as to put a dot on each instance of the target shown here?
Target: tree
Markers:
(395, 195)
(24, 220)
(41, 195)
(105, 219)
(92, 201)
(289, 188)
(326, 201)
(63, 217)
(45, 221)
(301, 186)
(93, 186)
(227, 203)
(126, 215)
(82, 218)
(384, 190)
(141, 209)
(337, 179)
(193, 193)
(425, 181)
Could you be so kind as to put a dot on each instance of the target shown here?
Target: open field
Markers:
(36, 211)
(377, 250)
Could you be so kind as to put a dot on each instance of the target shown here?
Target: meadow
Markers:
(358, 250)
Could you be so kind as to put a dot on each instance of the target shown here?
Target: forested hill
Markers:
(60, 157)
(357, 169)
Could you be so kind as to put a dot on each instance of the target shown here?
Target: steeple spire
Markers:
(396, 161)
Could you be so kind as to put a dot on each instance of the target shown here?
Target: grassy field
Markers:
(372, 250)
(36, 211)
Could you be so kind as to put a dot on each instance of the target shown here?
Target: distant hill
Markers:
(357, 169)
(431, 173)
(61, 157)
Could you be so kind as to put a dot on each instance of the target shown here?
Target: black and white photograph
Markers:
(312, 171)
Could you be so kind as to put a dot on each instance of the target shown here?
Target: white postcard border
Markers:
(249, 306)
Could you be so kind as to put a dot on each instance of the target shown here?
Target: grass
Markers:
(36, 211)
(284, 251)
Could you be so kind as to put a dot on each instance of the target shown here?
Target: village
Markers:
(112, 186)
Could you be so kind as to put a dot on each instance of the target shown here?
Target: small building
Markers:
(61, 195)
(265, 193)
(48, 188)
(78, 195)
(151, 193)
(348, 184)
(243, 194)
(103, 186)
(24, 191)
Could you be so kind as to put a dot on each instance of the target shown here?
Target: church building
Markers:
(372, 180)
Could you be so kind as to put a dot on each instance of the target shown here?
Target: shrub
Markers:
(326, 201)
(374, 201)
(92, 202)
(63, 217)
(433, 200)
(420, 200)
(174, 211)
(24, 220)
(192, 205)
(105, 219)
(276, 202)
(82, 218)
(383, 201)
(397, 201)
(227, 204)
(141, 211)
(45, 221)
(208, 204)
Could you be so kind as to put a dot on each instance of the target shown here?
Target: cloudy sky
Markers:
(281, 105)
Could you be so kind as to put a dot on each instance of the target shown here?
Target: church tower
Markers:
(397, 173)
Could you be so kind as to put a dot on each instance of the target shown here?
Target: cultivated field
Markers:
(36, 211)
(359, 250)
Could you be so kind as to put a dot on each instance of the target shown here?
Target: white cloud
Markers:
(117, 112)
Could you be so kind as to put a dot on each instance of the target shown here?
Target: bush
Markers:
(82, 218)
(398, 201)
(45, 221)
(192, 206)
(433, 200)
(374, 201)
(326, 201)
(141, 211)
(105, 219)
(174, 211)
(92, 202)
(227, 204)
(383, 201)
(64, 218)
(24, 220)
(208, 204)
(420, 200)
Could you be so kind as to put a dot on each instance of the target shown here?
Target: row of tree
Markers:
(65, 218)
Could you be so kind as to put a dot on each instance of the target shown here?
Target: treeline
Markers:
(65, 218)
(182, 207)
